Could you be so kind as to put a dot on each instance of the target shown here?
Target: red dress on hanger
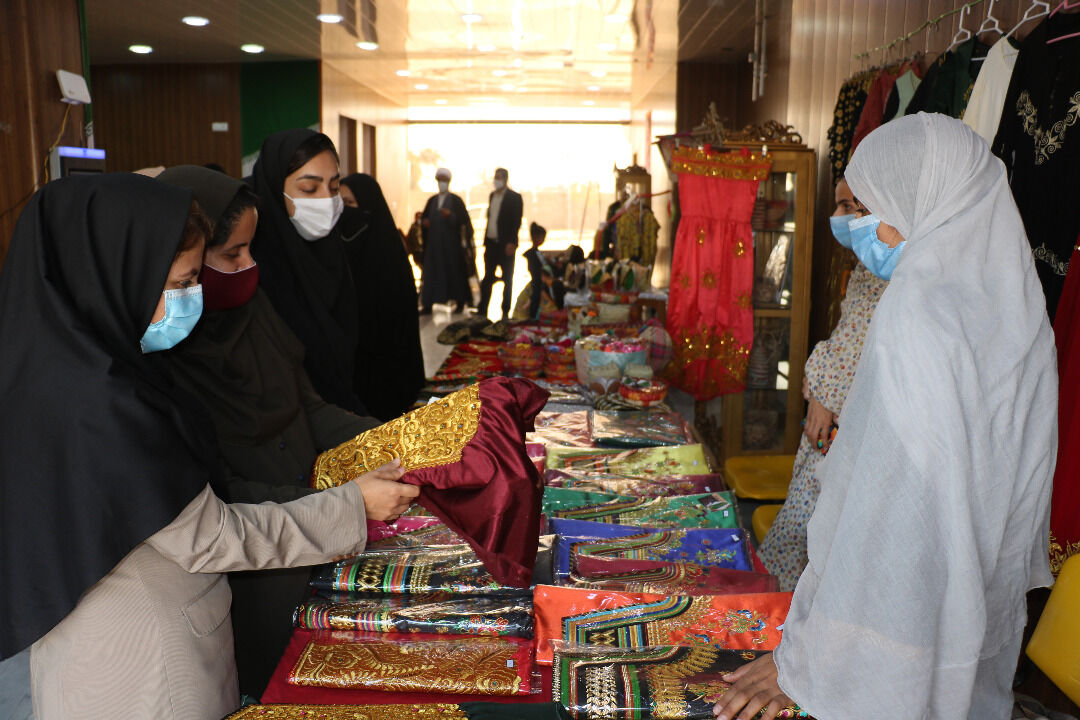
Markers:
(1065, 503)
(710, 313)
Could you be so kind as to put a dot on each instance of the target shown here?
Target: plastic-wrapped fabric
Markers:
(651, 683)
(463, 665)
(556, 500)
(636, 486)
(638, 429)
(424, 535)
(570, 531)
(399, 711)
(660, 576)
(749, 621)
(479, 615)
(709, 510)
(377, 530)
(569, 429)
(711, 547)
(642, 462)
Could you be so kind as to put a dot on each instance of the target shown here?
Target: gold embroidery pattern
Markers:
(684, 281)
(706, 345)
(726, 165)
(600, 687)
(711, 690)
(441, 711)
(743, 301)
(740, 248)
(660, 631)
(426, 437)
(1048, 256)
(1047, 142)
(479, 665)
(701, 236)
(667, 684)
(1059, 553)
(708, 280)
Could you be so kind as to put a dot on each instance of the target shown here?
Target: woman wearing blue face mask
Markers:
(112, 535)
(933, 519)
(829, 372)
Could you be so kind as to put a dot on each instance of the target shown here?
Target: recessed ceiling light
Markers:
(421, 86)
(440, 101)
(141, 49)
(367, 45)
(329, 18)
(508, 87)
(598, 73)
(252, 48)
(588, 102)
(605, 47)
(498, 73)
(195, 21)
(471, 18)
(615, 18)
(593, 88)
(485, 48)
(403, 73)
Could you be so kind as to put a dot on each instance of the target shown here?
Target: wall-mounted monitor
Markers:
(64, 161)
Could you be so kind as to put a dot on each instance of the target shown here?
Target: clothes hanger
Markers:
(990, 24)
(962, 33)
(1036, 4)
(1065, 5)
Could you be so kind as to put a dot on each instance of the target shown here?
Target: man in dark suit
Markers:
(500, 242)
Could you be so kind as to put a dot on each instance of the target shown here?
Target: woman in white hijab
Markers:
(934, 512)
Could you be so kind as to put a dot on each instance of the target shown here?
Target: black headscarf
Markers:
(309, 283)
(98, 449)
(389, 361)
(241, 363)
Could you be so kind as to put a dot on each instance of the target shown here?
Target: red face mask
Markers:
(228, 290)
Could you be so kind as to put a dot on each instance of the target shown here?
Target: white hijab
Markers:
(933, 519)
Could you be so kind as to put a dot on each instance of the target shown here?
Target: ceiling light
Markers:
(141, 49)
(508, 87)
(517, 62)
(598, 73)
(593, 88)
(329, 18)
(485, 48)
(367, 45)
(498, 73)
(421, 86)
(195, 21)
(403, 73)
(471, 18)
(440, 101)
(588, 102)
(252, 48)
(614, 18)
(605, 47)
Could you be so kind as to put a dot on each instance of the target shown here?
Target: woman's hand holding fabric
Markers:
(818, 421)
(384, 497)
(753, 687)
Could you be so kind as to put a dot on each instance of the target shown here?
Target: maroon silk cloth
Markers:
(681, 578)
(1065, 502)
(491, 497)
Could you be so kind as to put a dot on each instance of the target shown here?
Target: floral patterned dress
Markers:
(829, 372)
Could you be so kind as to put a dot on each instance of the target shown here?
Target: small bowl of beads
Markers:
(643, 392)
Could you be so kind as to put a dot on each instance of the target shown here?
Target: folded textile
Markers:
(425, 535)
(570, 531)
(467, 454)
(709, 510)
(580, 615)
(464, 665)
(642, 462)
(639, 428)
(664, 577)
(377, 530)
(480, 615)
(658, 683)
(571, 429)
(656, 486)
(558, 499)
(724, 548)
(434, 711)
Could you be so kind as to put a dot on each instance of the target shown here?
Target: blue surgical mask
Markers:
(182, 311)
(878, 257)
(839, 226)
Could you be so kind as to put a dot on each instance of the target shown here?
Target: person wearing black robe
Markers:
(308, 282)
(389, 360)
(448, 238)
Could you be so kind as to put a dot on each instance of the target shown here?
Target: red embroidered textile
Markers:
(710, 313)
(1065, 502)
(873, 111)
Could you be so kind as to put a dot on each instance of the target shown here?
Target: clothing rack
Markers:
(966, 7)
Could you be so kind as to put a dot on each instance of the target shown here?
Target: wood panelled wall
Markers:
(37, 38)
(825, 34)
(147, 115)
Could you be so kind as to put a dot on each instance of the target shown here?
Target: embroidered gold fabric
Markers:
(707, 345)
(1047, 142)
(480, 665)
(1060, 553)
(426, 437)
(728, 165)
(437, 711)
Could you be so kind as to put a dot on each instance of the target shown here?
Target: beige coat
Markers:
(152, 639)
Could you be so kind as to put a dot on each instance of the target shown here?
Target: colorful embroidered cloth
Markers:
(597, 617)
(454, 568)
(571, 531)
(467, 454)
(411, 614)
(470, 361)
(710, 510)
(667, 578)
(559, 499)
(636, 486)
(662, 683)
(714, 548)
(710, 312)
(571, 429)
(644, 462)
(424, 534)
(456, 665)
(377, 530)
(639, 428)
(434, 711)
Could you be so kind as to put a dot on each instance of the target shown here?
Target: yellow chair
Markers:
(762, 520)
(759, 477)
(1055, 644)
